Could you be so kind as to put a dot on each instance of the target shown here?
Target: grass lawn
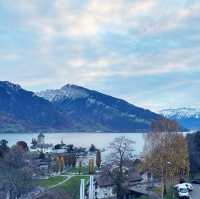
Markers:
(47, 183)
(72, 186)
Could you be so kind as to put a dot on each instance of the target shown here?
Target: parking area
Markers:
(195, 194)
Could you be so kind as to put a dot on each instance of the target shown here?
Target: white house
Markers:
(85, 159)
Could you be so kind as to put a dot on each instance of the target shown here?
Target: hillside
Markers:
(90, 110)
(22, 110)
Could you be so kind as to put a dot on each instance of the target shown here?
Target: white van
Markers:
(183, 192)
(188, 185)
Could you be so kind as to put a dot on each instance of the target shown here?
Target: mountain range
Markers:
(90, 110)
(68, 109)
(187, 117)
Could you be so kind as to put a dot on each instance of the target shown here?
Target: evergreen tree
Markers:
(98, 158)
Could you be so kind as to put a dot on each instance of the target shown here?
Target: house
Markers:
(85, 159)
(104, 188)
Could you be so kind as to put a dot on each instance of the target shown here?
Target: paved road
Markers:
(195, 194)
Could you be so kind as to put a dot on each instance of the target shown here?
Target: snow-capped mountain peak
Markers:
(68, 91)
(181, 113)
(9, 86)
(186, 117)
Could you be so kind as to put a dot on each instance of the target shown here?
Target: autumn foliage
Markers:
(166, 153)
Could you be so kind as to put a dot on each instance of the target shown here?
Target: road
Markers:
(195, 194)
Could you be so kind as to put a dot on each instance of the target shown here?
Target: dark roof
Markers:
(134, 176)
(41, 135)
(104, 181)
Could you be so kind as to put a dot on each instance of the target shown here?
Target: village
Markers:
(63, 166)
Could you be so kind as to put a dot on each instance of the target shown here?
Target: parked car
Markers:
(188, 186)
(182, 192)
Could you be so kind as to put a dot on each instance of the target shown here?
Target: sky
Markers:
(144, 51)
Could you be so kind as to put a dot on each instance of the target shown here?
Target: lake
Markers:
(100, 140)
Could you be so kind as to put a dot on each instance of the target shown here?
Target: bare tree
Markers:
(121, 152)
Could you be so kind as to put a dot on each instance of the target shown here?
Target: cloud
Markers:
(167, 17)
(111, 65)
(50, 43)
(99, 16)
(81, 22)
(94, 17)
(82, 70)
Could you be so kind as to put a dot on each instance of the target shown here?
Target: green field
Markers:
(47, 183)
(72, 186)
